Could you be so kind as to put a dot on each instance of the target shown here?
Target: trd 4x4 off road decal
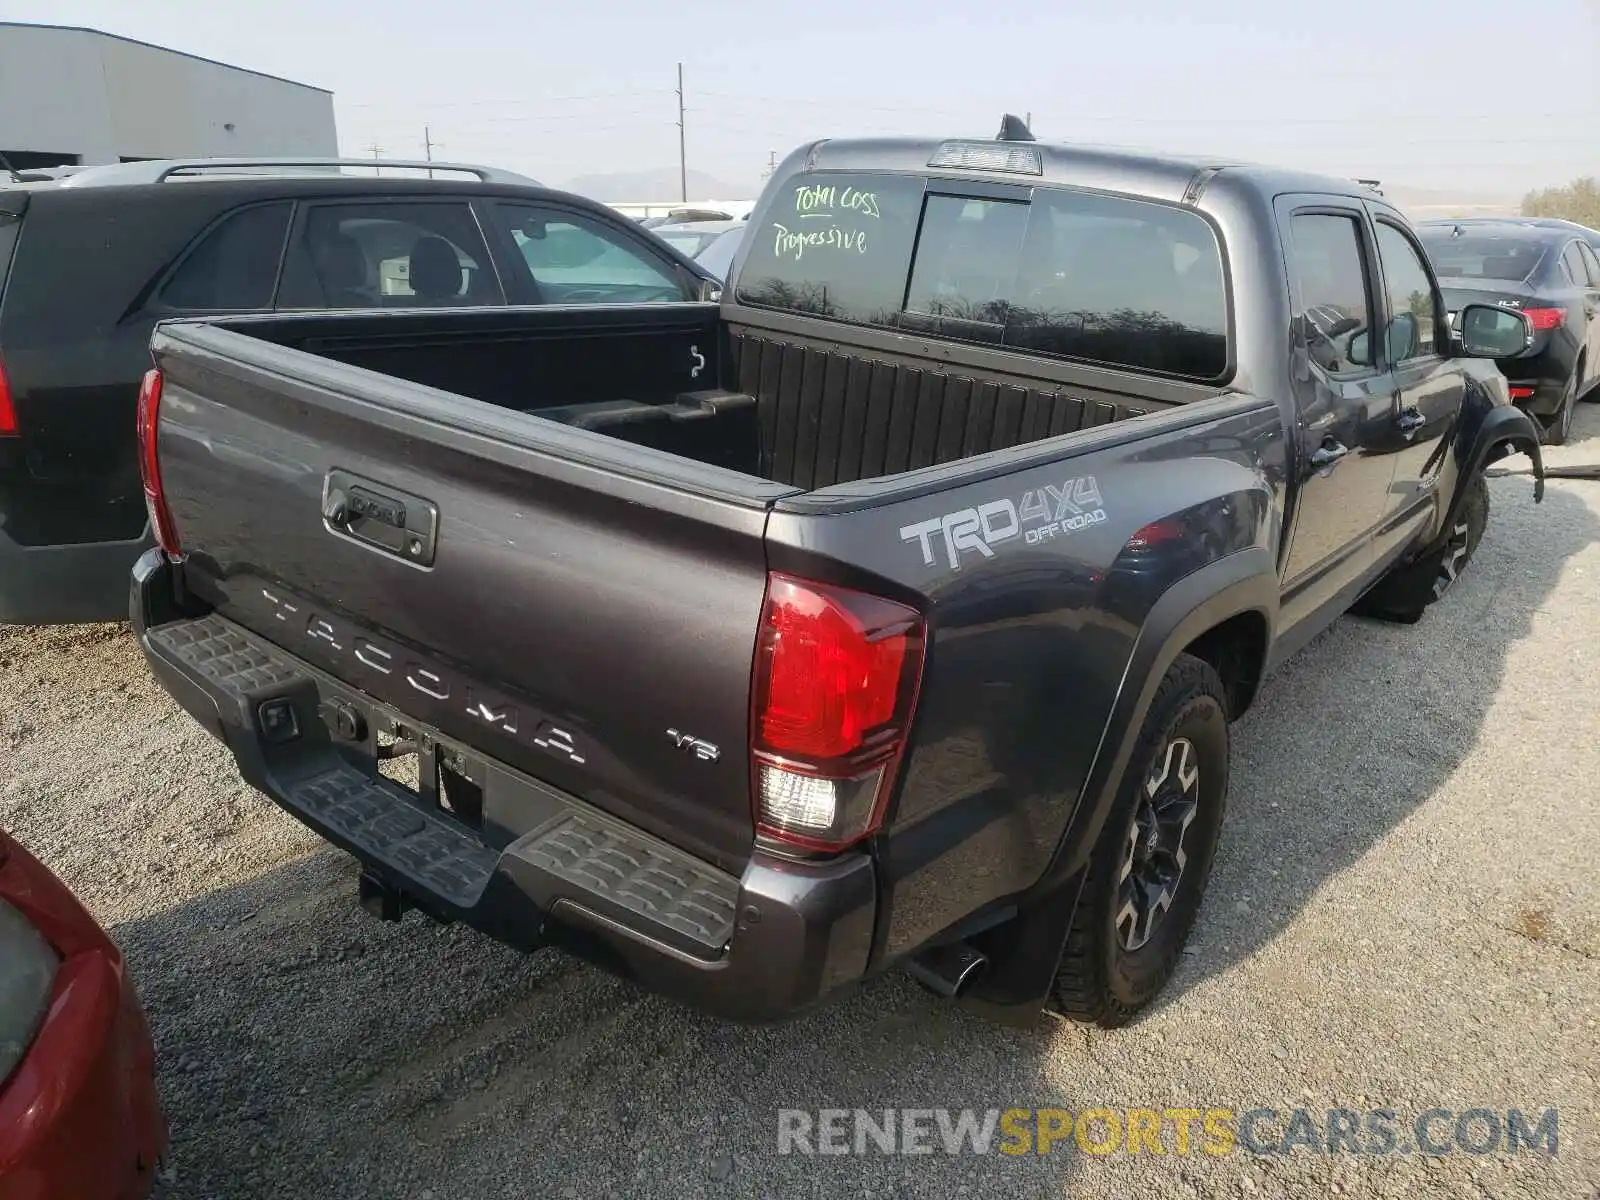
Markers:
(1042, 514)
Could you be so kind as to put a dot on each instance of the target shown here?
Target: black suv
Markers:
(90, 263)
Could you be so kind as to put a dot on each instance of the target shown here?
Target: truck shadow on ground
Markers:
(1365, 724)
(308, 1050)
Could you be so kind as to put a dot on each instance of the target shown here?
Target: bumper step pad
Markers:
(432, 850)
(594, 855)
(379, 821)
(657, 884)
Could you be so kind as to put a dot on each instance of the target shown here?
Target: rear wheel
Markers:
(1403, 594)
(1149, 869)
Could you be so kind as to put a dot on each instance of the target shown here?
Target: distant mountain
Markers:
(661, 184)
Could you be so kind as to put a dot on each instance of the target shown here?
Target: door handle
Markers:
(1410, 421)
(1330, 452)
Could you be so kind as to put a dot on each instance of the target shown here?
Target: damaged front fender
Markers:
(1503, 432)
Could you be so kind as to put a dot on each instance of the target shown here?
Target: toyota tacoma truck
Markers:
(891, 609)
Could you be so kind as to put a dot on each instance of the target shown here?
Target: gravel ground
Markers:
(1405, 913)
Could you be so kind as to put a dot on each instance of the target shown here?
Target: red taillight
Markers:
(1545, 318)
(8, 410)
(1519, 392)
(155, 499)
(1155, 534)
(836, 677)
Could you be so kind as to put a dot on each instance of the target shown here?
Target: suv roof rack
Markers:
(159, 170)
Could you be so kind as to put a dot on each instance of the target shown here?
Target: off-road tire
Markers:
(1405, 593)
(1099, 980)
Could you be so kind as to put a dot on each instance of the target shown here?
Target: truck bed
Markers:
(777, 407)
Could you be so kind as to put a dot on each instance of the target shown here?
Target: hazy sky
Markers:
(1428, 94)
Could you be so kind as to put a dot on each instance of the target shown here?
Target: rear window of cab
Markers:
(1075, 275)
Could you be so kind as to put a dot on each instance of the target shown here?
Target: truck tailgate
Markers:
(593, 628)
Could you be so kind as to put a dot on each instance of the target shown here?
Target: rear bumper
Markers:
(1546, 373)
(759, 947)
(80, 1117)
(61, 585)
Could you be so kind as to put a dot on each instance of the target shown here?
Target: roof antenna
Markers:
(1014, 129)
(10, 170)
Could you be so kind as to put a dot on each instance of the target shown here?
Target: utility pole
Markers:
(427, 147)
(1028, 121)
(772, 164)
(683, 161)
(376, 151)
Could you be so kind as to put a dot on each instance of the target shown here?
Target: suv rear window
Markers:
(1076, 275)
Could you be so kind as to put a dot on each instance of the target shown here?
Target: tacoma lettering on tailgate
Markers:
(405, 679)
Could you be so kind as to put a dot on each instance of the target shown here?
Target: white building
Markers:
(71, 96)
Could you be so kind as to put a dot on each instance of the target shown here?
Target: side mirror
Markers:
(710, 290)
(1402, 342)
(1490, 331)
(1360, 352)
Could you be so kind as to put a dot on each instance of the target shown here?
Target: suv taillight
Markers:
(834, 688)
(8, 410)
(155, 499)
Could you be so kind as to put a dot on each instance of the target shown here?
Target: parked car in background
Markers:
(893, 610)
(90, 263)
(1549, 272)
(79, 1115)
(712, 244)
(683, 216)
(717, 255)
(693, 237)
(1592, 236)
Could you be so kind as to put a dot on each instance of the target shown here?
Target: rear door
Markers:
(1591, 268)
(1428, 388)
(1345, 401)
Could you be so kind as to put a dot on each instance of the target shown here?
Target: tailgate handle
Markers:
(380, 517)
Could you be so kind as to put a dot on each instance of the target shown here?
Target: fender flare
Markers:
(1025, 953)
(1502, 426)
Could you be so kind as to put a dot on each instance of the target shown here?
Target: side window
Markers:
(235, 266)
(574, 259)
(1591, 262)
(1412, 315)
(1572, 260)
(388, 255)
(1123, 282)
(1332, 304)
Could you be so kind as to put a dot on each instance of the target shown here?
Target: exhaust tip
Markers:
(948, 970)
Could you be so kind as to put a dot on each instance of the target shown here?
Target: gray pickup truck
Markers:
(891, 609)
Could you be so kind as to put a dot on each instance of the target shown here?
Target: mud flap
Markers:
(1024, 954)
